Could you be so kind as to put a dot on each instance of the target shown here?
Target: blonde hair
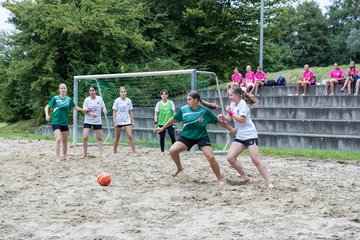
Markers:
(244, 95)
(122, 88)
(62, 84)
(196, 95)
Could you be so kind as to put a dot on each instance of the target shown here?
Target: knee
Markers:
(210, 157)
(85, 139)
(131, 138)
(99, 139)
(58, 140)
(231, 160)
(256, 161)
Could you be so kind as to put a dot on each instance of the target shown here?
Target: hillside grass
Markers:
(22, 130)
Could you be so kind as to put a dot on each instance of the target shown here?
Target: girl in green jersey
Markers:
(195, 115)
(60, 118)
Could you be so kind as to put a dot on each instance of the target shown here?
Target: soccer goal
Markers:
(143, 88)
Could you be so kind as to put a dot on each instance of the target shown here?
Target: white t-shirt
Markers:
(94, 106)
(247, 129)
(122, 108)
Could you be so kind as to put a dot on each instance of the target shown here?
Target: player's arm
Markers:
(79, 109)
(156, 117)
(170, 122)
(114, 117)
(46, 109)
(132, 118)
(240, 118)
(104, 110)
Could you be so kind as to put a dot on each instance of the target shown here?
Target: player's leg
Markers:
(175, 151)
(298, 83)
(99, 135)
(235, 150)
(128, 130)
(357, 86)
(332, 86)
(171, 132)
(255, 157)
(162, 141)
(305, 85)
(86, 134)
(349, 83)
(209, 154)
(57, 135)
(64, 136)
(116, 139)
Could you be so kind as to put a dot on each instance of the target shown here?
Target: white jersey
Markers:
(94, 106)
(247, 129)
(122, 108)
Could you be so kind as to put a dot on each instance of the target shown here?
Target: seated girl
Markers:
(249, 79)
(237, 80)
(336, 77)
(352, 77)
(307, 79)
(260, 80)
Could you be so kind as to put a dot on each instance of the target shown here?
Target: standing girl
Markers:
(250, 79)
(60, 118)
(95, 106)
(123, 118)
(260, 80)
(352, 76)
(195, 115)
(164, 110)
(246, 136)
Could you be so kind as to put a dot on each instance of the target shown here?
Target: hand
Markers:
(133, 125)
(105, 111)
(158, 130)
(115, 125)
(227, 109)
(47, 118)
(233, 131)
(85, 110)
(93, 115)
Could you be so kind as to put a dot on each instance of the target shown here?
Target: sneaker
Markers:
(342, 90)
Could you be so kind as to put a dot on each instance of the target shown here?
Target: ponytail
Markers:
(196, 95)
(244, 95)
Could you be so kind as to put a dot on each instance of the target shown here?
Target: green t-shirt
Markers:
(165, 111)
(61, 111)
(195, 121)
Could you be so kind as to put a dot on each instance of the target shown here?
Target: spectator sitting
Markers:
(336, 77)
(307, 79)
(249, 79)
(260, 80)
(352, 76)
(236, 80)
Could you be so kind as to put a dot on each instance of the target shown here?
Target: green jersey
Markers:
(61, 111)
(195, 121)
(165, 111)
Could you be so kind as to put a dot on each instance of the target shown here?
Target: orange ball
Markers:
(104, 179)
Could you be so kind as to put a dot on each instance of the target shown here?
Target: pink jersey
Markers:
(250, 77)
(337, 74)
(308, 76)
(352, 73)
(237, 77)
(260, 76)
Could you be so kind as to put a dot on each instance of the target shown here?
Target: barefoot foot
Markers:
(177, 172)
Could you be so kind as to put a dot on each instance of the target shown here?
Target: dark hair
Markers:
(94, 87)
(244, 95)
(164, 91)
(354, 65)
(196, 95)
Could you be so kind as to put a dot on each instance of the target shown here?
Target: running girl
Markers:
(336, 77)
(123, 118)
(95, 106)
(249, 79)
(246, 136)
(260, 80)
(195, 115)
(352, 76)
(60, 119)
(164, 110)
(307, 79)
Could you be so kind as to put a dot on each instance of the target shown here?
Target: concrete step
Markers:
(327, 113)
(309, 126)
(314, 90)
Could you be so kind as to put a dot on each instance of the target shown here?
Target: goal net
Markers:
(143, 88)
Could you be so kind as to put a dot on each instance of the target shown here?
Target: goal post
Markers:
(144, 90)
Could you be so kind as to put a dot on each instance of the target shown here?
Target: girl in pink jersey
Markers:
(260, 80)
(336, 77)
(352, 76)
(237, 79)
(249, 79)
(307, 79)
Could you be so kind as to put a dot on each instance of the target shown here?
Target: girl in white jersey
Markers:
(95, 106)
(123, 118)
(246, 136)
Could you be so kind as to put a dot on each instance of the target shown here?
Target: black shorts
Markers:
(120, 126)
(248, 142)
(94, 126)
(63, 128)
(201, 142)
